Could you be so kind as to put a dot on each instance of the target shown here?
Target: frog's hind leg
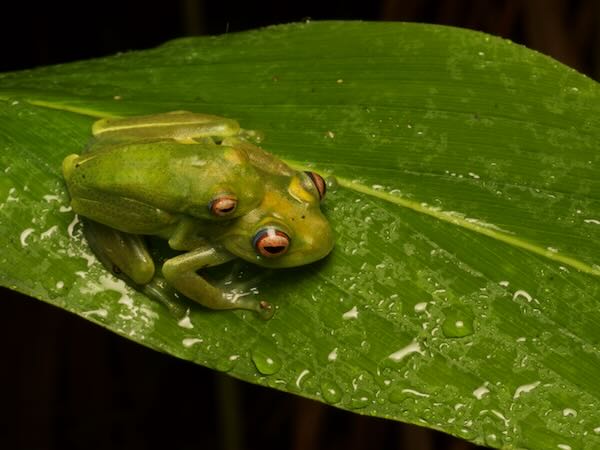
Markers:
(123, 253)
(127, 257)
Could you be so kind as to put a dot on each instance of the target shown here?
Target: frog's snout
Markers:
(314, 244)
(325, 241)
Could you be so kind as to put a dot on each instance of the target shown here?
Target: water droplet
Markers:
(330, 391)
(399, 396)
(332, 356)
(189, 342)
(265, 360)
(225, 364)
(351, 314)
(360, 399)
(332, 183)
(457, 324)
(525, 389)
(396, 396)
(25, 235)
(186, 322)
(407, 406)
(301, 377)
(522, 294)
(481, 391)
(52, 290)
(421, 307)
(413, 347)
(492, 440)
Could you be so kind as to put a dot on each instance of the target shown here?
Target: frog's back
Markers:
(169, 176)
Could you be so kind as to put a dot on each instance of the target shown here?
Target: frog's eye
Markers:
(319, 183)
(270, 242)
(223, 205)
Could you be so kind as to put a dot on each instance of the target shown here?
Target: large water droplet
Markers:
(360, 399)
(330, 391)
(227, 363)
(457, 324)
(492, 440)
(52, 290)
(396, 396)
(265, 360)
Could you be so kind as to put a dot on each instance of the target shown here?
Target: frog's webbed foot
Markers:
(181, 273)
(158, 289)
(263, 308)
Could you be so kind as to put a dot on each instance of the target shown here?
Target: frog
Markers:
(203, 185)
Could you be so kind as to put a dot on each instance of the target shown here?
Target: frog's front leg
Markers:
(180, 272)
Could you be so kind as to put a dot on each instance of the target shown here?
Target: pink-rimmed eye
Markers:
(223, 205)
(319, 183)
(270, 242)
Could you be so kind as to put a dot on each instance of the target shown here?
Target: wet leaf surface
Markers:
(463, 290)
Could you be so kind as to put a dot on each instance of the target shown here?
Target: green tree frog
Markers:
(196, 181)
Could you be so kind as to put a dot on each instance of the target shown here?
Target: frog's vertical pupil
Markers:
(270, 242)
(319, 183)
(223, 205)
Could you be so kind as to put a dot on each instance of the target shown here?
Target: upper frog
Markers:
(196, 181)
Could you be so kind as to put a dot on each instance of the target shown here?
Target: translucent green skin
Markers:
(157, 175)
(147, 188)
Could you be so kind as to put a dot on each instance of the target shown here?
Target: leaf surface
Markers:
(463, 290)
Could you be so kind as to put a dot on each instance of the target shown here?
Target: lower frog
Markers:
(198, 182)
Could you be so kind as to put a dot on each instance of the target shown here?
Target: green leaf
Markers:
(463, 290)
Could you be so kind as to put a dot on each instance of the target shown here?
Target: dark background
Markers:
(65, 383)
(50, 32)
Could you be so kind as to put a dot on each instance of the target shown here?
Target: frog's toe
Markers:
(158, 289)
(142, 272)
(265, 310)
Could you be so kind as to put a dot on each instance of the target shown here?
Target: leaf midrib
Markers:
(461, 222)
